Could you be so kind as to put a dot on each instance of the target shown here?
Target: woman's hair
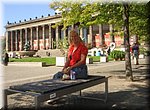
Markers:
(74, 33)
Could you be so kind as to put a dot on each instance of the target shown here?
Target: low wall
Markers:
(38, 64)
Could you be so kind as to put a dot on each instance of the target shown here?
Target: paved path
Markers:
(13, 74)
(120, 90)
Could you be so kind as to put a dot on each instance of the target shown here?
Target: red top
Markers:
(76, 55)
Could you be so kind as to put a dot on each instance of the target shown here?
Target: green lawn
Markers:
(50, 60)
(97, 58)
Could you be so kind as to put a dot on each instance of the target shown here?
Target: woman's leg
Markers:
(58, 75)
(81, 72)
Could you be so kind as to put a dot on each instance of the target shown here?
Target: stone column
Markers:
(7, 43)
(26, 39)
(135, 38)
(85, 35)
(21, 40)
(31, 40)
(16, 40)
(12, 46)
(81, 33)
(57, 35)
(72, 27)
(37, 37)
(90, 36)
(65, 35)
(50, 37)
(101, 34)
(111, 29)
(43, 34)
(69, 29)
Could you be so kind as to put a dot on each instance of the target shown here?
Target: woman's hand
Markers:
(66, 70)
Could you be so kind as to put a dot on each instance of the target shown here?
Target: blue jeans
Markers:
(135, 52)
(81, 72)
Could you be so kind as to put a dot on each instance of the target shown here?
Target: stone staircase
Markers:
(50, 52)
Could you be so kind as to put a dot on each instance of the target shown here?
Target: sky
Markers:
(15, 10)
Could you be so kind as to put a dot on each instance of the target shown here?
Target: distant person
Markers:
(108, 50)
(48, 53)
(76, 60)
(135, 51)
(6, 59)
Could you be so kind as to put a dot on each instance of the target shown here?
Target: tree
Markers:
(3, 45)
(148, 22)
(125, 17)
(127, 44)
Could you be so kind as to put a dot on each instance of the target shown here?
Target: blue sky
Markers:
(15, 10)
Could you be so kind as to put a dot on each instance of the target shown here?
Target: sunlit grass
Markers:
(50, 60)
(97, 58)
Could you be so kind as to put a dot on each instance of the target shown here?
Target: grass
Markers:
(97, 58)
(50, 60)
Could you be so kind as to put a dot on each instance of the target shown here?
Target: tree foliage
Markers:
(128, 19)
(138, 21)
(89, 13)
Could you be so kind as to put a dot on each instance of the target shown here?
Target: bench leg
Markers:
(37, 103)
(105, 94)
(106, 90)
(80, 93)
(5, 100)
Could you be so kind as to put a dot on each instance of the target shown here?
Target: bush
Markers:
(116, 54)
(142, 50)
(147, 53)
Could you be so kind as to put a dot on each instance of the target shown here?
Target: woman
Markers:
(76, 60)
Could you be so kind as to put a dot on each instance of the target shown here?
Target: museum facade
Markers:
(41, 35)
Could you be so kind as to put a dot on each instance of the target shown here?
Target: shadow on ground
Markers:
(125, 99)
(138, 71)
(121, 100)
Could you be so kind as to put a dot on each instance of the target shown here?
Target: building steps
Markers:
(50, 52)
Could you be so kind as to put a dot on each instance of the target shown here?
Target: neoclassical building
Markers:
(41, 35)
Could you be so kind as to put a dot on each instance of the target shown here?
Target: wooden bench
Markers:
(51, 89)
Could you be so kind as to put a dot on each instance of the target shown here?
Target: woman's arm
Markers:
(83, 58)
(66, 64)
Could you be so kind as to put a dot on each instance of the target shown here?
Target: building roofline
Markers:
(32, 21)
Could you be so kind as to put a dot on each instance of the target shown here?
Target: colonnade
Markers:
(43, 36)
(39, 37)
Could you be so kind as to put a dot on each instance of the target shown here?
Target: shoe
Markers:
(53, 101)
(66, 77)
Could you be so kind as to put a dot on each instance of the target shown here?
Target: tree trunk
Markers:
(102, 41)
(128, 66)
